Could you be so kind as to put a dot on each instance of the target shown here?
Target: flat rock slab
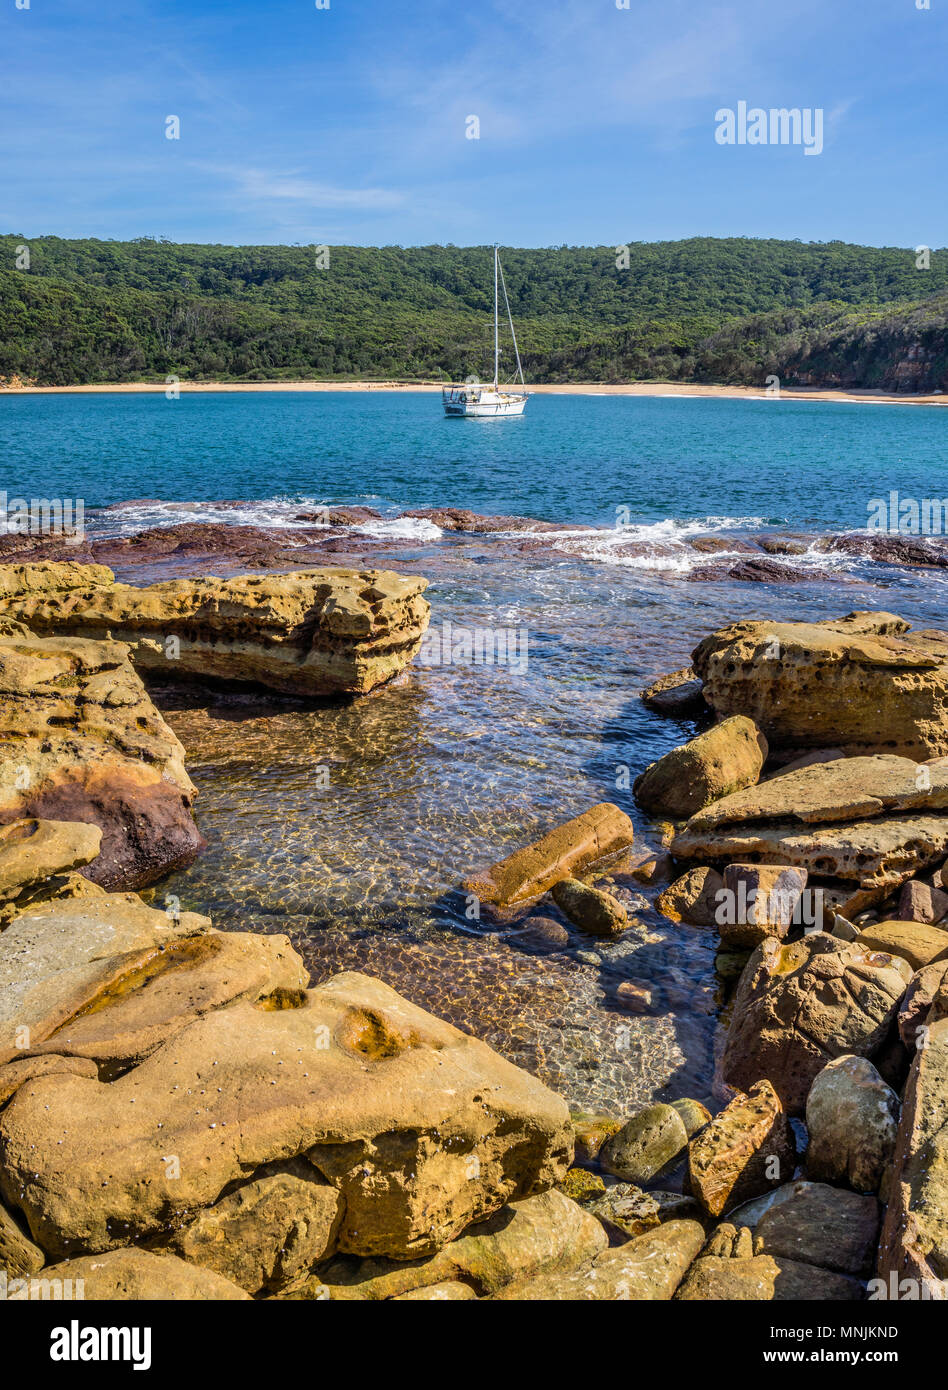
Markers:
(59, 957)
(845, 789)
(873, 853)
(860, 683)
(315, 632)
(421, 1128)
(601, 831)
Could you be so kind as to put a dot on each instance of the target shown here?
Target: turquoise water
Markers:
(449, 768)
(570, 458)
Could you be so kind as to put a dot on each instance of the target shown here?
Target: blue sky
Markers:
(347, 124)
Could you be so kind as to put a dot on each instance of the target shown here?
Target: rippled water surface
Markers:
(350, 825)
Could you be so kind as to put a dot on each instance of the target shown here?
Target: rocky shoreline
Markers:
(182, 1114)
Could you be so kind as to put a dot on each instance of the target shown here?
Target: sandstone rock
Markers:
(169, 988)
(315, 632)
(878, 853)
(694, 1115)
(590, 1133)
(601, 831)
(135, 1275)
(63, 958)
(824, 1226)
(677, 695)
(40, 580)
(421, 1128)
(18, 1254)
(582, 1186)
(920, 902)
(24, 1069)
(83, 742)
(635, 996)
(716, 763)
(590, 909)
(544, 933)
(693, 898)
(652, 868)
(923, 988)
(266, 1233)
(762, 1278)
(760, 900)
(800, 1005)
(862, 683)
(626, 1211)
(645, 1144)
(34, 850)
(646, 1269)
(851, 1118)
(914, 1241)
(745, 1151)
(540, 1235)
(916, 942)
(846, 789)
(451, 1291)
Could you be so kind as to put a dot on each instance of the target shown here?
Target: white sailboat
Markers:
(474, 401)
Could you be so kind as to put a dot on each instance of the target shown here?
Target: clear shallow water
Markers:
(449, 768)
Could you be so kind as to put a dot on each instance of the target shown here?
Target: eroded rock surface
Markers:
(314, 632)
(82, 741)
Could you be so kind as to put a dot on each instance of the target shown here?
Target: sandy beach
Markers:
(644, 388)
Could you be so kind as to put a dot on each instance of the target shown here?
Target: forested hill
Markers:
(732, 310)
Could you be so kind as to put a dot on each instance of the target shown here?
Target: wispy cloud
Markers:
(291, 186)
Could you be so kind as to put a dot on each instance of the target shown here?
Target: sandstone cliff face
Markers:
(863, 683)
(316, 632)
(80, 740)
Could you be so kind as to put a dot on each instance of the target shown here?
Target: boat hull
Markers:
(484, 405)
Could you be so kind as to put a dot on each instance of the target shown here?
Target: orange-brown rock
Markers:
(562, 853)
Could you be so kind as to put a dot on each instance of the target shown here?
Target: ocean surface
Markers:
(350, 825)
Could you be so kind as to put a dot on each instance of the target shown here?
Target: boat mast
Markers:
(496, 329)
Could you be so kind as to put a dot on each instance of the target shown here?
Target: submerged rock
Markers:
(677, 695)
(590, 909)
